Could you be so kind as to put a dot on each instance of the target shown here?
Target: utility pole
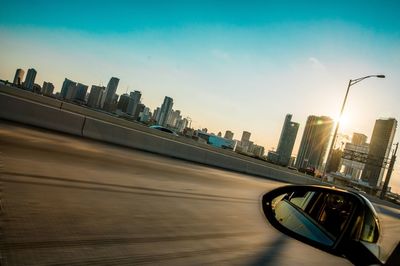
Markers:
(389, 172)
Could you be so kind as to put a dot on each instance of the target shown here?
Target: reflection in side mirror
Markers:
(330, 219)
(319, 216)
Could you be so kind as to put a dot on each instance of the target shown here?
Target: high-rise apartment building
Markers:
(287, 140)
(134, 100)
(315, 141)
(67, 89)
(95, 95)
(165, 111)
(123, 102)
(80, 93)
(145, 115)
(173, 118)
(30, 79)
(182, 124)
(19, 76)
(47, 88)
(245, 136)
(228, 135)
(379, 151)
(108, 98)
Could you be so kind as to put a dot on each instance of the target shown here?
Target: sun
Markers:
(344, 122)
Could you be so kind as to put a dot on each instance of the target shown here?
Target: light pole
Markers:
(351, 83)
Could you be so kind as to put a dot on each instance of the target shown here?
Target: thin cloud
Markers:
(316, 64)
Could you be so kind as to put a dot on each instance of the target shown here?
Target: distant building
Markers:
(71, 91)
(19, 76)
(379, 151)
(123, 103)
(30, 79)
(314, 143)
(173, 118)
(134, 100)
(139, 109)
(286, 141)
(108, 100)
(47, 88)
(273, 157)
(359, 139)
(245, 136)
(216, 141)
(67, 85)
(244, 145)
(80, 93)
(258, 151)
(95, 95)
(145, 115)
(165, 111)
(156, 114)
(36, 88)
(182, 124)
(229, 135)
(353, 160)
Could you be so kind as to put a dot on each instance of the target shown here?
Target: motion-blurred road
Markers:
(71, 201)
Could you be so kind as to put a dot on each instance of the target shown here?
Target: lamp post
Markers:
(351, 83)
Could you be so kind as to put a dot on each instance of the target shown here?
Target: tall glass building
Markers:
(379, 151)
(314, 143)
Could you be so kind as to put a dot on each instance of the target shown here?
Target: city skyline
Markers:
(228, 66)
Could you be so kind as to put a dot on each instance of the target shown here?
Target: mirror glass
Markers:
(317, 215)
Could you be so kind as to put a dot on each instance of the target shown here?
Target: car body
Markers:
(164, 129)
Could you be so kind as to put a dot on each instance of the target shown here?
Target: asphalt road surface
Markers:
(71, 201)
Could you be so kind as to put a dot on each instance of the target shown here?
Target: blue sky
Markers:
(238, 65)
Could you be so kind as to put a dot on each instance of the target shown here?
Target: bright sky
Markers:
(237, 65)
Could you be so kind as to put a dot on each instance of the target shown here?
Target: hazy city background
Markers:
(224, 68)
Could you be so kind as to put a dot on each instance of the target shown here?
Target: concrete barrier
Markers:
(26, 107)
(23, 94)
(104, 131)
(35, 114)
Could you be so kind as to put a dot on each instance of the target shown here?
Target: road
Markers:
(72, 201)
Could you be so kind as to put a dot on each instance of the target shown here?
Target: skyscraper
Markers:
(145, 115)
(228, 135)
(379, 151)
(95, 95)
(30, 79)
(286, 140)
(182, 124)
(173, 118)
(67, 85)
(47, 88)
(165, 111)
(80, 93)
(108, 97)
(134, 100)
(123, 102)
(19, 75)
(314, 143)
(246, 136)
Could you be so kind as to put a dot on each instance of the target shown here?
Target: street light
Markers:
(351, 83)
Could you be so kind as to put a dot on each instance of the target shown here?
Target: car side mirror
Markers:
(333, 220)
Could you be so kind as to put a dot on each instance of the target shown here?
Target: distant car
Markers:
(164, 129)
(309, 171)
